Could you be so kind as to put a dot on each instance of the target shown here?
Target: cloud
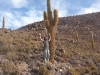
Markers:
(13, 3)
(95, 7)
(88, 10)
(16, 19)
(32, 15)
(19, 3)
(10, 20)
(62, 6)
(18, 13)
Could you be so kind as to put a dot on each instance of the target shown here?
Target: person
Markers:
(46, 47)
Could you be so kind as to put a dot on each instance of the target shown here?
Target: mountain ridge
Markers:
(77, 17)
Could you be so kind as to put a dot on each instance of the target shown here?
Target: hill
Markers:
(21, 50)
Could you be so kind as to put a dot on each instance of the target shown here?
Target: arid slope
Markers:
(74, 50)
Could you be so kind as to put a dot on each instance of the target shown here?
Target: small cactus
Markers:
(77, 36)
(3, 24)
(92, 40)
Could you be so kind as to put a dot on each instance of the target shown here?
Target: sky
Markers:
(19, 13)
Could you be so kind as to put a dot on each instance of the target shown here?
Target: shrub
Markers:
(43, 71)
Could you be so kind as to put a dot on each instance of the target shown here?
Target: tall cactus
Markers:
(50, 22)
(3, 24)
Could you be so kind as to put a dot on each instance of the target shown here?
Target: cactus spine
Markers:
(50, 22)
(3, 24)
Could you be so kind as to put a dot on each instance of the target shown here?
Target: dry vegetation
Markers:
(21, 51)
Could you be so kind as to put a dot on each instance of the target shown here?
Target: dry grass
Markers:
(24, 45)
(43, 71)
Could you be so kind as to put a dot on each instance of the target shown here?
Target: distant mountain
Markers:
(78, 23)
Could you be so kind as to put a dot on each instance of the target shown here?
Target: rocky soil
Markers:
(21, 50)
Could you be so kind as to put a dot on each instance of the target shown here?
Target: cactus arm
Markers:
(55, 21)
(45, 15)
(46, 23)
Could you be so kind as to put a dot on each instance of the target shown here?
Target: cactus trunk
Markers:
(52, 43)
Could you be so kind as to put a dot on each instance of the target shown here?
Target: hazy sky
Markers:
(18, 13)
